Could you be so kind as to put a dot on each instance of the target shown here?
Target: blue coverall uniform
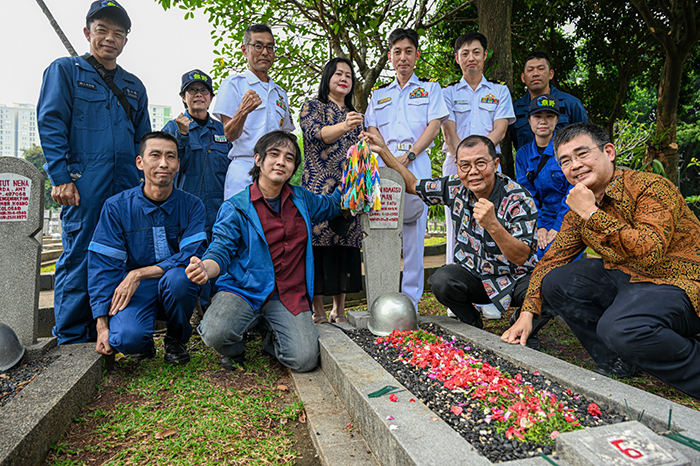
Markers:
(549, 188)
(88, 140)
(571, 111)
(133, 233)
(203, 163)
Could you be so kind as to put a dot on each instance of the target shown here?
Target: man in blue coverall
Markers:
(537, 75)
(142, 243)
(262, 252)
(202, 145)
(90, 145)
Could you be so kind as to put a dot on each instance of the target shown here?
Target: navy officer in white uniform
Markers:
(250, 105)
(477, 106)
(407, 114)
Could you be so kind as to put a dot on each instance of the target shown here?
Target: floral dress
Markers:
(324, 164)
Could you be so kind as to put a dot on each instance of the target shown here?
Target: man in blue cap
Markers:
(202, 145)
(144, 239)
(537, 75)
(91, 115)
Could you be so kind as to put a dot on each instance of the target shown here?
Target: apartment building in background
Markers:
(18, 126)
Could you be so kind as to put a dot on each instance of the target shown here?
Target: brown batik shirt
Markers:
(642, 227)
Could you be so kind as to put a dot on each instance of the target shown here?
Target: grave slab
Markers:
(410, 438)
(602, 389)
(21, 218)
(624, 444)
(39, 414)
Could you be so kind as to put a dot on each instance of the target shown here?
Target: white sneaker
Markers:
(451, 314)
(490, 311)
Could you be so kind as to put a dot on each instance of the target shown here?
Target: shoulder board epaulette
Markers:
(428, 80)
(502, 83)
(379, 86)
(452, 84)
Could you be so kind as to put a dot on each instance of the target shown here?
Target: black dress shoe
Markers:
(175, 352)
(617, 368)
(233, 363)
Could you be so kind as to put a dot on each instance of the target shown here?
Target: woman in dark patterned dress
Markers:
(331, 126)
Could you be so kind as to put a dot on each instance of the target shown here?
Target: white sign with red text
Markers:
(15, 191)
(388, 216)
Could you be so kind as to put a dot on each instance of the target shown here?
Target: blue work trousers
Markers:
(171, 298)
(649, 325)
(292, 339)
(74, 321)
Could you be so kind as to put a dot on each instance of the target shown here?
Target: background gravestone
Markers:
(381, 244)
(21, 218)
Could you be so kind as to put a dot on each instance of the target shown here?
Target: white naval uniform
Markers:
(272, 114)
(401, 116)
(474, 112)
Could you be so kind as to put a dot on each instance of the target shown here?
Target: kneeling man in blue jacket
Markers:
(137, 258)
(261, 248)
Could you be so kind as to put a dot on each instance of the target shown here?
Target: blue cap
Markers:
(194, 76)
(544, 102)
(115, 9)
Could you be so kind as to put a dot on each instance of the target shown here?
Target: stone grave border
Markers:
(417, 441)
(40, 413)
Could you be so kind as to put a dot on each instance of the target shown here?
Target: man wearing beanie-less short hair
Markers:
(537, 75)
(251, 105)
(637, 305)
(407, 114)
(90, 118)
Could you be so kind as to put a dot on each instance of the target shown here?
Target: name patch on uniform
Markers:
(281, 104)
(87, 85)
(219, 138)
(489, 99)
(460, 102)
(131, 93)
(385, 99)
(418, 93)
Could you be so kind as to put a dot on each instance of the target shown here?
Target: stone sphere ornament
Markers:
(392, 311)
(11, 350)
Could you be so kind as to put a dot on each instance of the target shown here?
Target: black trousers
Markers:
(645, 324)
(459, 289)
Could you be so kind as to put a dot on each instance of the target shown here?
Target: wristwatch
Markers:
(411, 156)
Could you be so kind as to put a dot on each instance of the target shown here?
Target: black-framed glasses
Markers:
(480, 166)
(197, 90)
(566, 161)
(271, 49)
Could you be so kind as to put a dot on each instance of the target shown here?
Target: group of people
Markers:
(216, 219)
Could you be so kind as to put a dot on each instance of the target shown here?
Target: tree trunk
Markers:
(667, 114)
(494, 23)
(57, 28)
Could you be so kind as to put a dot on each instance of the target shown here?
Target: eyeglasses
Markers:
(198, 90)
(566, 161)
(271, 49)
(480, 166)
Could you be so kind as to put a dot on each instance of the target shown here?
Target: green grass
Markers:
(49, 269)
(150, 413)
(431, 241)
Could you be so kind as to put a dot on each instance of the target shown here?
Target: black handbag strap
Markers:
(109, 80)
(533, 175)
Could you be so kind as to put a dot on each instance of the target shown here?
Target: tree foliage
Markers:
(35, 156)
(310, 32)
